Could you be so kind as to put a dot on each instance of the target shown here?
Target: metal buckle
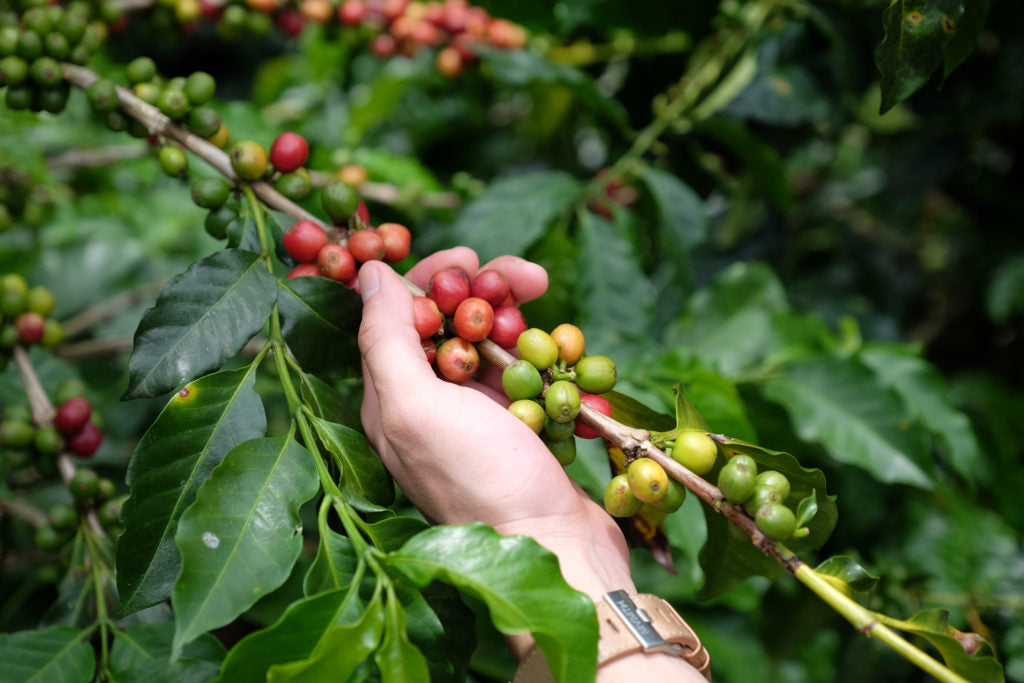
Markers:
(639, 624)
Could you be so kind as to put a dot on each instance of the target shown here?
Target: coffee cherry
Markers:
(204, 121)
(738, 479)
(598, 403)
(289, 152)
(63, 517)
(564, 451)
(777, 522)
(68, 389)
(295, 185)
(570, 342)
(211, 193)
(363, 213)
(351, 12)
(140, 70)
(775, 480)
(249, 159)
(491, 286)
(647, 480)
(86, 442)
(102, 96)
(429, 350)
(696, 451)
(674, 498)
(105, 489)
(473, 319)
(45, 71)
(761, 497)
(521, 380)
(53, 333)
(56, 45)
(457, 359)
(619, 499)
(49, 538)
(47, 440)
(13, 70)
(530, 412)
(30, 45)
(537, 346)
(39, 300)
(383, 46)
(353, 174)
(173, 103)
(173, 161)
(557, 431)
(8, 337)
(30, 327)
(83, 484)
(199, 88)
(15, 433)
(562, 401)
(147, 92)
(220, 138)
(449, 62)
(16, 412)
(595, 374)
(397, 239)
(336, 262)
(304, 270)
(427, 316)
(72, 415)
(217, 221)
(19, 97)
(340, 201)
(448, 288)
(303, 241)
(109, 514)
(366, 245)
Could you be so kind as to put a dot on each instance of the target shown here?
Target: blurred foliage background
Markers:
(822, 279)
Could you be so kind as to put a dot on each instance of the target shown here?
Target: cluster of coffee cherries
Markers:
(24, 200)
(88, 491)
(35, 41)
(763, 496)
(23, 315)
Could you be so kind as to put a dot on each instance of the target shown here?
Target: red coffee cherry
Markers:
(509, 323)
(72, 415)
(491, 286)
(290, 22)
(396, 241)
(429, 349)
(363, 212)
(336, 262)
(457, 359)
(598, 403)
(303, 241)
(305, 270)
(427, 315)
(86, 442)
(448, 288)
(30, 326)
(474, 318)
(383, 46)
(290, 150)
(366, 245)
(351, 12)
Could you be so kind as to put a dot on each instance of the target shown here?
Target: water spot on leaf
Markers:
(210, 540)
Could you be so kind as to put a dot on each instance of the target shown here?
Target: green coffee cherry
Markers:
(647, 480)
(69, 388)
(140, 70)
(56, 45)
(19, 97)
(619, 499)
(530, 412)
(102, 96)
(595, 374)
(674, 498)
(30, 45)
(16, 458)
(109, 514)
(738, 479)
(204, 121)
(340, 200)
(48, 440)
(248, 159)
(39, 300)
(16, 434)
(49, 538)
(775, 480)
(217, 221)
(53, 333)
(53, 98)
(116, 121)
(147, 92)
(558, 431)
(173, 161)
(777, 522)
(696, 451)
(105, 489)
(562, 401)
(564, 451)
(17, 412)
(295, 185)
(762, 496)
(45, 71)
(13, 70)
(63, 517)
(521, 380)
(199, 87)
(536, 346)
(83, 484)
(173, 103)
(211, 193)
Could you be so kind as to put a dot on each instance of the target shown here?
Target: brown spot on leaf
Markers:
(947, 24)
(971, 642)
(914, 17)
(183, 393)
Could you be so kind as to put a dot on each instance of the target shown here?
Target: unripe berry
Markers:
(289, 152)
(762, 496)
(340, 201)
(570, 342)
(449, 62)
(295, 185)
(63, 517)
(473, 319)
(775, 480)
(696, 451)
(448, 288)
(598, 403)
(53, 333)
(303, 241)
(595, 374)
(509, 323)
(173, 103)
(537, 346)
(109, 513)
(140, 70)
(68, 389)
(173, 161)
(366, 245)
(304, 270)
(47, 440)
(83, 484)
(674, 498)
(336, 262)
(86, 442)
(521, 380)
(249, 159)
(557, 431)
(530, 412)
(647, 480)
(562, 401)
(40, 300)
(564, 451)
(397, 239)
(49, 538)
(199, 88)
(619, 499)
(353, 174)
(211, 193)
(15, 434)
(457, 359)
(491, 286)
(204, 121)
(738, 479)
(777, 522)
(428, 318)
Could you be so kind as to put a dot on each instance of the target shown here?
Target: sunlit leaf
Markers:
(968, 654)
(850, 575)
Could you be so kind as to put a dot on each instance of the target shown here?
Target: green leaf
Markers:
(728, 325)
(807, 509)
(441, 626)
(334, 565)
(1005, 295)
(325, 401)
(966, 38)
(143, 655)
(75, 605)
(196, 428)
(728, 557)
(319, 320)
(924, 390)
(240, 538)
(916, 34)
(398, 659)
(203, 317)
(513, 212)
(682, 218)
(404, 171)
(762, 162)
(520, 583)
(847, 574)
(391, 533)
(839, 403)
(633, 413)
(47, 655)
(979, 666)
(364, 481)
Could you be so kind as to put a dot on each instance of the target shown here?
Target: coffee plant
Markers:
(767, 225)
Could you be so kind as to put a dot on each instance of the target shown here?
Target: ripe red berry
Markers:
(336, 262)
(448, 288)
(351, 12)
(491, 286)
(86, 441)
(303, 240)
(598, 403)
(305, 270)
(290, 150)
(429, 349)
(509, 323)
(363, 212)
(473, 319)
(366, 245)
(396, 241)
(457, 359)
(427, 315)
(290, 22)
(383, 46)
(30, 326)
(72, 415)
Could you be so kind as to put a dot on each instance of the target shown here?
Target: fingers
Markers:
(527, 279)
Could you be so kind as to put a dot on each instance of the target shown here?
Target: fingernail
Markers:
(369, 282)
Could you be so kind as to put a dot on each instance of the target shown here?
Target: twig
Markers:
(386, 193)
(19, 509)
(85, 158)
(111, 307)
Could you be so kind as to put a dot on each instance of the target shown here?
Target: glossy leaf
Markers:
(334, 565)
(847, 573)
(520, 583)
(397, 658)
(196, 428)
(203, 317)
(319, 320)
(633, 413)
(364, 481)
(441, 626)
(142, 655)
(56, 653)
(391, 533)
(240, 538)
(513, 212)
(325, 401)
(839, 403)
(682, 221)
(963, 43)
(728, 557)
(76, 593)
(968, 654)
(806, 509)
(916, 34)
